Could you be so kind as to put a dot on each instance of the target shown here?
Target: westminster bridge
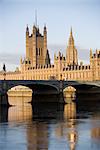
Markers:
(47, 87)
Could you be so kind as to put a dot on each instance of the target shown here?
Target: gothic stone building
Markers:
(37, 66)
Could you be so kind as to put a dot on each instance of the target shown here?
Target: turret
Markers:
(27, 30)
(34, 46)
(71, 52)
(95, 64)
(45, 29)
(90, 53)
(54, 56)
(27, 42)
(21, 60)
(59, 63)
(71, 39)
(34, 29)
(47, 60)
(45, 42)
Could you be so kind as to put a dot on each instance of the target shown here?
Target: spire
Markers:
(90, 53)
(54, 55)
(36, 18)
(71, 39)
(21, 60)
(45, 28)
(71, 51)
(47, 60)
(27, 29)
(71, 33)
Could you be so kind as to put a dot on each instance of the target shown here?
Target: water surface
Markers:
(74, 126)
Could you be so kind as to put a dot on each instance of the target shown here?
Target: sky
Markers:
(59, 16)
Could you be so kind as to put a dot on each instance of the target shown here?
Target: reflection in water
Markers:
(70, 134)
(47, 111)
(72, 138)
(37, 136)
(3, 114)
(95, 130)
(95, 133)
(50, 127)
(70, 111)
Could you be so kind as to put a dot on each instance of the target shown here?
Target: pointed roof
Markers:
(47, 57)
(71, 39)
(71, 33)
(27, 28)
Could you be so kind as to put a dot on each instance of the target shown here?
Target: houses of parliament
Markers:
(37, 64)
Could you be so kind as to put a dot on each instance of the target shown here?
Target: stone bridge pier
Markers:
(3, 94)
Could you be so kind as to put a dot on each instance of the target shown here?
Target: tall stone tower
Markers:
(71, 52)
(36, 47)
(27, 42)
(95, 64)
(45, 44)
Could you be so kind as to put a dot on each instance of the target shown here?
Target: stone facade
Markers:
(71, 52)
(36, 47)
(37, 66)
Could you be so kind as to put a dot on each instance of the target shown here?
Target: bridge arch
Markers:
(38, 88)
(79, 86)
(19, 95)
(32, 84)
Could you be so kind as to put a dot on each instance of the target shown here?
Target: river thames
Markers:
(73, 126)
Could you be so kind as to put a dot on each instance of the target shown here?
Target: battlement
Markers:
(77, 67)
(59, 56)
(41, 67)
(37, 32)
(95, 55)
(26, 61)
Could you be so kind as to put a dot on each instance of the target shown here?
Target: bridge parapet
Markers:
(13, 83)
(60, 85)
(92, 83)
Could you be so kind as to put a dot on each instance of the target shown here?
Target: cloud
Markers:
(11, 60)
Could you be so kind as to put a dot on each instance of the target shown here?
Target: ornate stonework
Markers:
(37, 66)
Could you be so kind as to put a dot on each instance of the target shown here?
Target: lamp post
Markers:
(4, 72)
(61, 90)
(4, 88)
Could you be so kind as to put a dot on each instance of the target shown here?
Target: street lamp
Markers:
(4, 71)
